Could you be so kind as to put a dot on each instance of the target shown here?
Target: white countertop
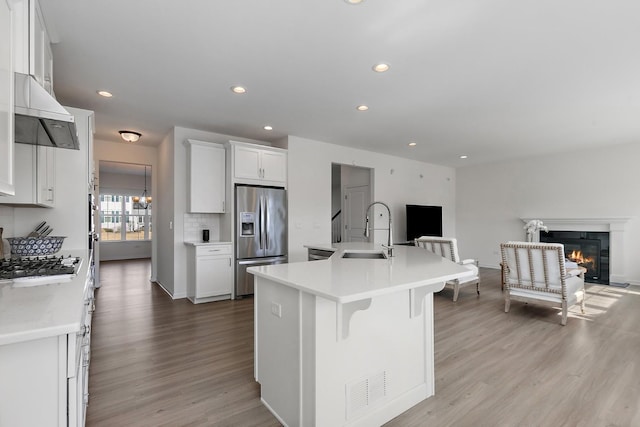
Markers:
(210, 243)
(28, 313)
(347, 280)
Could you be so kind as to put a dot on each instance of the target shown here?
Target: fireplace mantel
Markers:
(615, 226)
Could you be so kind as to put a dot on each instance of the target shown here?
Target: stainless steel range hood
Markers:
(39, 118)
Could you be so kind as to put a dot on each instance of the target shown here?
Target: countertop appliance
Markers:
(260, 231)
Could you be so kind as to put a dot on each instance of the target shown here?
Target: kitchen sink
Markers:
(365, 255)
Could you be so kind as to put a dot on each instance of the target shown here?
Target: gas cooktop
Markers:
(39, 267)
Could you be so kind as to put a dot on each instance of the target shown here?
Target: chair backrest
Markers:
(446, 247)
(534, 266)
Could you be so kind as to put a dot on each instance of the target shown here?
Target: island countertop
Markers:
(346, 280)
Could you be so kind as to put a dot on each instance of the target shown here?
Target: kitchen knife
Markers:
(36, 231)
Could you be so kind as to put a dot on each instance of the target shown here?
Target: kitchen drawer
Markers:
(209, 250)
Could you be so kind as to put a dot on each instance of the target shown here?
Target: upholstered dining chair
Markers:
(447, 247)
(536, 272)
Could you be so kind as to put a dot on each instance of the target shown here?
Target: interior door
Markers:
(356, 201)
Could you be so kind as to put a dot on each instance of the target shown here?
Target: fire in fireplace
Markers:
(587, 249)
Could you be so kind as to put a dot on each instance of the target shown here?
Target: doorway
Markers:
(351, 193)
(125, 211)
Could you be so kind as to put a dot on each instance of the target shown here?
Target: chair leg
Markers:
(507, 303)
(456, 290)
(564, 313)
(478, 287)
(582, 303)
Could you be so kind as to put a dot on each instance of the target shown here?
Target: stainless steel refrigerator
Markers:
(260, 232)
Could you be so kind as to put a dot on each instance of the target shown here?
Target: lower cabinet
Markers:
(210, 272)
(44, 382)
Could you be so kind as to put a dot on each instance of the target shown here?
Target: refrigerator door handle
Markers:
(266, 223)
(260, 221)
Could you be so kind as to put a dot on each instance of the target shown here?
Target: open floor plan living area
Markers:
(158, 362)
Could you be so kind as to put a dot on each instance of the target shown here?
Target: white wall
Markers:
(590, 183)
(163, 213)
(130, 249)
(397, 182)
(128, 153)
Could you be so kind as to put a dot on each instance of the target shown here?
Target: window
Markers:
(122, 219)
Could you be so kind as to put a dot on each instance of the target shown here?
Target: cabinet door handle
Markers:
(223, 206)
(229, 261)
(50, 190)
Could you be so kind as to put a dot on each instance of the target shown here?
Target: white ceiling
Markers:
(489, 79)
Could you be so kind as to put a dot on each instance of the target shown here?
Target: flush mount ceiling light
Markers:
(267, 127)
(412, 144)
(129, 135)
(464, 156)
(354, 1)
(381, 67)
(238, 89)
(105, 93)
(362, 108)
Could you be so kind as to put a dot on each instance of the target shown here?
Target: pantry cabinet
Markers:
(35, 175)
(7, 179)
(210, 272)
(255, 164)
(206, 192)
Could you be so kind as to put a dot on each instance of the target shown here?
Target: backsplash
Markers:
(6, 221)
(195, 223)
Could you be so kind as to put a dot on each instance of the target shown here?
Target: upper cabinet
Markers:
(7, 180)
(32, 45)
(256, 164)
(35, 176)
(206, 177)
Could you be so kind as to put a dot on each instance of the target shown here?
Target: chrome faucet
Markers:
(389, 246)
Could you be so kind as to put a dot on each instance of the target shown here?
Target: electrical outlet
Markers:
(276, 309)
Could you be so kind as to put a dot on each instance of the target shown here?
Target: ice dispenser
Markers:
(247, 224)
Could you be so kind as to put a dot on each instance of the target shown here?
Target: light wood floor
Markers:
(158, 362)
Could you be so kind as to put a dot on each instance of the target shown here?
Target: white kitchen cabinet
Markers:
(35, 176)
(44, 377)
(206, 177)
(7, 179)
(32, 44)
(210, 272)
(254, 164)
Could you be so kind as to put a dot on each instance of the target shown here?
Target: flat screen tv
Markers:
(423, 221)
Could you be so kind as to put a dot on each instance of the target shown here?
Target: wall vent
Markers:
(365, 393)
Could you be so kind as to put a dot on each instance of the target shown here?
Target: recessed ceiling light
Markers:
(412, 144)
(130, 135)
(354, 1)
(362, 108)
(105, 93)
(381, 67)
(267, 127)
(464, 156)
(238, 89)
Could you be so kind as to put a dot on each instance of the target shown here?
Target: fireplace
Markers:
(587, 249)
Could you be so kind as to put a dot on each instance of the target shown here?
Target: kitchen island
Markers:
(347, 341)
